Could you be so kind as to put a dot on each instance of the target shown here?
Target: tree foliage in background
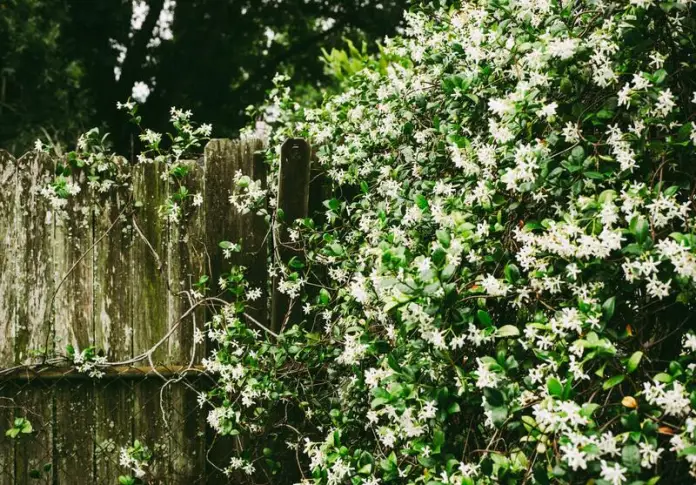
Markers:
(57, 59)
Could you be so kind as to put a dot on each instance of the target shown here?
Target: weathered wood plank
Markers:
(8, 257)
(150, 293)
(113, 428)
(34, 451)
(8, 392)
(186, 263)
(223, 158)
(149, 426)
(74, 272)
(187, 437)
(113, 303)
(34, 266)
(113, 307)
(293, 200)
(73, 256)
(74, 432)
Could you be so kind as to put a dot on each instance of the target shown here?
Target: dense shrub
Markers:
(501, 288)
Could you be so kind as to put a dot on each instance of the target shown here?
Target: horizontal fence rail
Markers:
(116, 275)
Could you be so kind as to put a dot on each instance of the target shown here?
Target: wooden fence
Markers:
(113, 275)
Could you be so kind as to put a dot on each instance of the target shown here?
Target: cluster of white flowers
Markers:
(88, 363)
(520, 250)
(237, 463)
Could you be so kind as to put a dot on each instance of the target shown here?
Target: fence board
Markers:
(35, 450)
(7, 309)
(73, 257)
(34, 273)
(112, 274)
(8, 392)
(149, 426)
(74, 433)
(74, 274)
(113, 303)
(150, 317)
(186, 263)
(113, 426)
(8, 257)
(32, 333)
(223, 158)
(187, 441)
(293, 200)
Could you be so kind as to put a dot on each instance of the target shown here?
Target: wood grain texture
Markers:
(293, 200)
(186, 263)
(113, 289)
(8, 258)
(122, 293)
(73, 256)
(149, 258)
(187, 439)
(34, 261)
(224, 158)
(151, 415)
(113, 309)
(34, 451)
(74, 432)
(8, 392)
(113, 428)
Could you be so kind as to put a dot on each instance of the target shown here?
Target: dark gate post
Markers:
(293, 201)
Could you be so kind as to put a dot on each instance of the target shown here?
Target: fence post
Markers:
(293, 201)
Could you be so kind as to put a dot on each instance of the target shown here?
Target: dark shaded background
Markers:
(57, 61)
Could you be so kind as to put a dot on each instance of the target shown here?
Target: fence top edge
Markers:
(262, 141)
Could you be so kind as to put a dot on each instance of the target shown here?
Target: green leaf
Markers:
(613, 381)
(499, 415)
(443, 238)
(507, 331)
(438, 438)
(633, 361)
(605, 114)
(229, 245)
(659, 76)
(554, 386)
(662, 377)
(608, 308)
(639, 227)
(689, 450)
(365, 469)
(484, 317)
(630, 457)
(512, 273)
(588, 409)
(594, 175)
(493, 396)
